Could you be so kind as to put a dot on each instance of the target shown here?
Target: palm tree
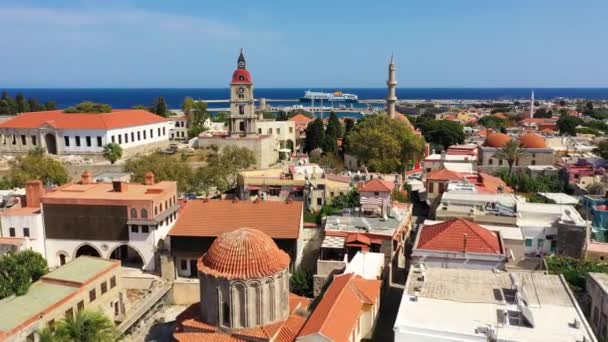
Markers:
(85, 326)
(511, 151)
(112, 152)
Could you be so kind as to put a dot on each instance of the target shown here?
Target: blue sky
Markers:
(437, 43)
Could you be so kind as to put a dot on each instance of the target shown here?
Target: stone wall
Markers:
(264, 148)
(184, 292)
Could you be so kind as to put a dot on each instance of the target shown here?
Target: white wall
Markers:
(33, 222)
(155, 138)
(535, 234)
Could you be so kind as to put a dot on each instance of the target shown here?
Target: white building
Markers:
(21, 226)
(442, 304)
(178, 127)
(84, 134)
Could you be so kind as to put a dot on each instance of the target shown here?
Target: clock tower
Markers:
(242, 106)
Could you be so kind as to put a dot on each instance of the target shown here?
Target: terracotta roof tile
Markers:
(60, 120)
(243, 254)
(338, 310)
(450, 236)
(212, 218)
(289, 331)
(444, 174)
(376, 185)
(301, 118)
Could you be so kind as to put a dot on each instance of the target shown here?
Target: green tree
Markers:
(334, 127)
(385, 145)
(143, 107)
(84, 326)
(36, 165)
(5, 108)
(567, 124)
(164, 168)
(10, 101)
(444, 133)
(50, 105)
(512, 151)
(220, 117)
(602, 149)
(19, 270)
(160, 107)
(229, 162)
(301, 283)
(542, 113)
(197, 119)
(34, 105)
(89, 107)
(315, 135)
(22, 105)
(187, 106)
(112, 152)
(493, 122)
(282, 116)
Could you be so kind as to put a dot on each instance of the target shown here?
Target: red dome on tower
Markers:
(241, 76)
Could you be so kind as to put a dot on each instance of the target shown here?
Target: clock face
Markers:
(241, 90)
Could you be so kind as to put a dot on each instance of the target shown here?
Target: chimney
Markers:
(119, 186)
(465, 243)
(149, 178)
(33, 193)
(86, 177)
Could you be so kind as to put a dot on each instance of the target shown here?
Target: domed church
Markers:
(244, 291)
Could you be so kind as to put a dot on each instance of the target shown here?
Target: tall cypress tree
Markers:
(315, 135)
(160, 107)
(22, 105)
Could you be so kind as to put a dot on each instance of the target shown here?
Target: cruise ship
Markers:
(335, 96)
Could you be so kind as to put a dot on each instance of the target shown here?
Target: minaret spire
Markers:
(241, 61)
(391, 98)
(532, 105)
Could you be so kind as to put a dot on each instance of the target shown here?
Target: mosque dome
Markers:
(531, 140)
(496, 140)
(243, 254)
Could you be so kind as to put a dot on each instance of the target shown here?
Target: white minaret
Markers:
(532, 105)
(391, 98)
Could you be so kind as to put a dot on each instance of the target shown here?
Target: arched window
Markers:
(239, 303)
(133, 213)
(226, 314)
(161, 207)
(241, 78)
(144, 213)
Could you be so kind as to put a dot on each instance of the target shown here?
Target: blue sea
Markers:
(126, 98)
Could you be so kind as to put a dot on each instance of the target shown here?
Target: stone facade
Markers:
(244, 303)
(534, 156)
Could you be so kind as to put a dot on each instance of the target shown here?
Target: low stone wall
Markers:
(140, 283)
(184, 292)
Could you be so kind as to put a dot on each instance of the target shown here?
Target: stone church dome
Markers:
(243, 254)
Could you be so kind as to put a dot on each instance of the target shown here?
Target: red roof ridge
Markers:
(375, 185)
(430, 234)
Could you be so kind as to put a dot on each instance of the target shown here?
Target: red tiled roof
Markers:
(212, 218)
(450, 236)
(197, 330)
(491, 183)
(243, 254)
(60, 120)
(531, 140)
(336, 314)
(301, 118)
(376, 185)
(444, 174)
